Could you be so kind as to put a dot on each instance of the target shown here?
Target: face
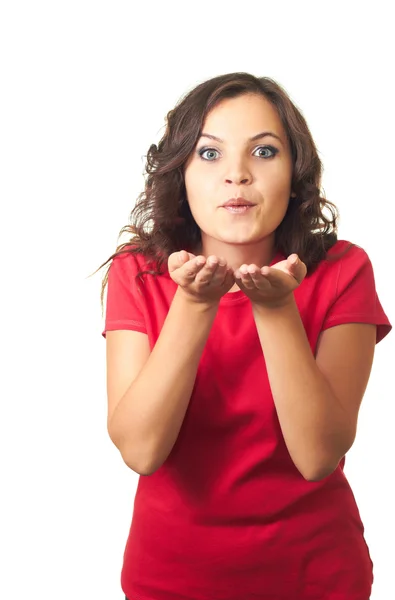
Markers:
(258, 170)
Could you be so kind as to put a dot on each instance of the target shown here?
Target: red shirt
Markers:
(228, 516)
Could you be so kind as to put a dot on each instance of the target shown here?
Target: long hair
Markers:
(161, 222)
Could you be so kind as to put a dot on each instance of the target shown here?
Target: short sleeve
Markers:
(356, 299)
(124, 301)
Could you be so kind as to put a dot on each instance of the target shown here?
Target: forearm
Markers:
(150, 414)
(315, 427)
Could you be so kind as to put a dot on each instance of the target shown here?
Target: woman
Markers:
(240, 338)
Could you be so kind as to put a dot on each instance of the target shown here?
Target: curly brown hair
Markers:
(161, 222)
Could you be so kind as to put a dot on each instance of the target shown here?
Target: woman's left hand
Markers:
(271, 286)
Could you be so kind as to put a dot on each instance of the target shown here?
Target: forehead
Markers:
(243, 116)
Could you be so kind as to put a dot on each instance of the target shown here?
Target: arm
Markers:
(146, 421)
(317, 400)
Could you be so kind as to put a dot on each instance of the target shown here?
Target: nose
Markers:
(238, 173)
(238, 180)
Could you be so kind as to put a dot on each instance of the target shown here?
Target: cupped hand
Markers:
(202, 279)
(271, 286)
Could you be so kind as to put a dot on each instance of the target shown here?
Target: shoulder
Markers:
(352, 295)
(147, 276)
(344, 257)
(350, 263)
(126, 271)
(131, 259)
(347, 252)
(347, 267)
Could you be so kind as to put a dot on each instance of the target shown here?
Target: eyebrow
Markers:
(258, 136)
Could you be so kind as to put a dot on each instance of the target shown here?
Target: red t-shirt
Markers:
(228, 516)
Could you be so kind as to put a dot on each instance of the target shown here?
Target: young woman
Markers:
(240, 337)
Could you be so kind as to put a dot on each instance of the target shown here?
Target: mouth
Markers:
(238, 208)
(238, 205)
(239, 201)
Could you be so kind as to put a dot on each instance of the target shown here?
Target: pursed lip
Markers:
(238, 202)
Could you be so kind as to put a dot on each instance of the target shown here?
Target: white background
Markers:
(85, 87)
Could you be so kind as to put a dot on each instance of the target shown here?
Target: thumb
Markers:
(183, 257)
(177, 259)
(297, 267)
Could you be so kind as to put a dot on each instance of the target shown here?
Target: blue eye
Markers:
(273, 151)
(204, 150)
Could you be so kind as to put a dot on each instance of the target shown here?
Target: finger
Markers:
(292, 262)
(242, 274)
(177, 259)
(261, 282)
(192, 268)
(277, 278)
(206, 274)
(246, 269)
(297, 268)
(183, 257)
(220, 274)
(273, 276)
(229, 278)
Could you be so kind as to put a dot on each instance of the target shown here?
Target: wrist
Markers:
(196, 303)
(275, 305)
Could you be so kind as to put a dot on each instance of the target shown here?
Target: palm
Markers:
(270, 284)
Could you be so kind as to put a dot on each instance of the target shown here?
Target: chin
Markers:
(241, 239)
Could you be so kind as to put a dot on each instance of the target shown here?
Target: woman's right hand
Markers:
(202, 280)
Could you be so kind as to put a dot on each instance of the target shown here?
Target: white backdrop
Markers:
(85, 90)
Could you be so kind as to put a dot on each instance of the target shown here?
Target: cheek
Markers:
(197, 181)
(200, 194)
(277, 177)
(202, 212)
